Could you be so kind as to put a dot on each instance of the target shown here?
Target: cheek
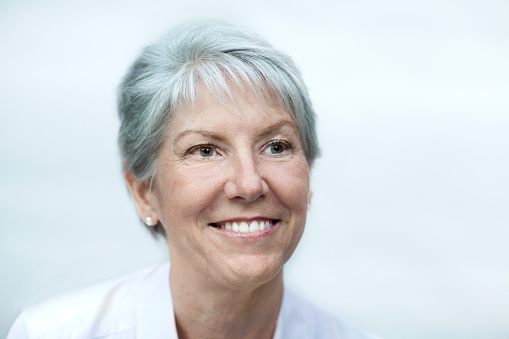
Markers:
(188, 190)
(290, 183)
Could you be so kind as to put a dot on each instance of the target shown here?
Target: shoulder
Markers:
(98, 310)
(303, 319)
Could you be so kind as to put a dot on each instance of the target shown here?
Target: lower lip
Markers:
(247, 235)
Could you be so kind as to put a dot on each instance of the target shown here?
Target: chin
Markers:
(253, 271)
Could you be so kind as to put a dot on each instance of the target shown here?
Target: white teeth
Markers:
(246, 227)
(243, 227)
(253, 227)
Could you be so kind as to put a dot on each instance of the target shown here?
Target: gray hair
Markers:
(164, 77)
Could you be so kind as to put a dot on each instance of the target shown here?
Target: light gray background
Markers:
(408, 230)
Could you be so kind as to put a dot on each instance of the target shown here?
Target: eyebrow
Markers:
(276, 127)
(204, 133)
(265, 132)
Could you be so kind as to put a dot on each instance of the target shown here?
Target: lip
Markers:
(248, 235)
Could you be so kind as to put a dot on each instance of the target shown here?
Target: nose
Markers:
(245, 181)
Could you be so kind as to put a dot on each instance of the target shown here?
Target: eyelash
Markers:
(287, 146)
(201, 146)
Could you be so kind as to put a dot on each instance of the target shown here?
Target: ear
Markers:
(141, 193)
(310, 194)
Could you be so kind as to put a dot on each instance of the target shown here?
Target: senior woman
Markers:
(217, 137)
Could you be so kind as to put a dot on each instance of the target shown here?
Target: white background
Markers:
(408, 230)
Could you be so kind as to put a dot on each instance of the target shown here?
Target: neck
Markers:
(205, 308)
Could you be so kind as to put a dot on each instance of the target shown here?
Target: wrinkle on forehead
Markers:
(263, 133)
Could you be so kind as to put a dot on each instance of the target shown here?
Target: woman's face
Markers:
(232, 165)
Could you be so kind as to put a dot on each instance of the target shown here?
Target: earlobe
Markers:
(140, 191)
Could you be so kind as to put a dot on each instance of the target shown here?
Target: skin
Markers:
(227, 285)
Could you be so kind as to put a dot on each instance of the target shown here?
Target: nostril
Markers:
(245, 185)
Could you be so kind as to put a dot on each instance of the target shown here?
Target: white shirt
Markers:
(140, 306)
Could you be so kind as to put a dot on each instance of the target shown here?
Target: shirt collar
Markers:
(155, 317)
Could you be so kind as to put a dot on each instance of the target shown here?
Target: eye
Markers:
(206, 151)
(203, 151)
(277, 148)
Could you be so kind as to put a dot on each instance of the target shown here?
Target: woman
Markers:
(217, 137)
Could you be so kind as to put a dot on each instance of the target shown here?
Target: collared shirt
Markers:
(140, 306)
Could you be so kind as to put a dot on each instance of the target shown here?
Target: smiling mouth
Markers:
(242, 226)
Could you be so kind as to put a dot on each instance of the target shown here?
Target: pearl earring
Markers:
(148, 221)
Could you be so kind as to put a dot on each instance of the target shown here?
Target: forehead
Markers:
(241, 107)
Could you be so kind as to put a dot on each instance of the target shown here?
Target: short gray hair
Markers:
(164, 77)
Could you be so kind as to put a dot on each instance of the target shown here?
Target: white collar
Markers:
(155, 317)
